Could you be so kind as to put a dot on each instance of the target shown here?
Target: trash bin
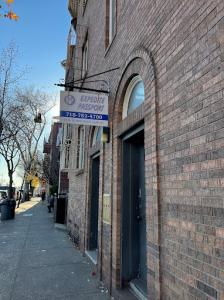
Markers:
(8, 209)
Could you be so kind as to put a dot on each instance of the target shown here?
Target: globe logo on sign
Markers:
(70, 100)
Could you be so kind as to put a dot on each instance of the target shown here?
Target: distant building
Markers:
(147, 205)
(52, 157)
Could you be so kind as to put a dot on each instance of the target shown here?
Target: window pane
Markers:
(84, 58)
(112, 19)
(113, 15)
(137, 97)
(97, 136)
(82, 148)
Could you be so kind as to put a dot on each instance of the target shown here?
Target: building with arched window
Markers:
(146, 205)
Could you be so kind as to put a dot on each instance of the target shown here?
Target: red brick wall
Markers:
(64, 182)
(178, 49)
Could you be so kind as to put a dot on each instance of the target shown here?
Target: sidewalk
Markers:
(39, 262)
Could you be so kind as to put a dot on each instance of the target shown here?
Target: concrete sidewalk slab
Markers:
(39, 262)
(50, 257)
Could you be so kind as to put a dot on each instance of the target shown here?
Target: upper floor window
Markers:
(72, 38)
(67, 156)
(69, 131)
(67, 144)
(134, 96)
(85, 58)
(84, 5)
(97, 136)
(80, 148)
(111, 20)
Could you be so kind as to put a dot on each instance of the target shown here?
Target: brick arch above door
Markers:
(139, 62)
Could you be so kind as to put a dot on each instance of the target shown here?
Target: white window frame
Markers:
(112, 19)
(69, 131)
(85, 58)
(127, 96)
(67, 157)
(80, 154)
(94, 141)
(67, 144)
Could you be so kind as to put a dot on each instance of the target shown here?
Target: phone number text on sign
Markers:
(68, 114)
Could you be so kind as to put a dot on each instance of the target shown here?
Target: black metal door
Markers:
(133, 210)
(94, 205)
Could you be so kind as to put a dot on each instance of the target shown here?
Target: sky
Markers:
(41, 36)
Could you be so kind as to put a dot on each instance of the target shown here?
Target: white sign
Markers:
(84, 108)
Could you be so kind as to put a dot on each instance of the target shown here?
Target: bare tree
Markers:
(10, 153)
(29, 115)
(22, 111)
(10, 76)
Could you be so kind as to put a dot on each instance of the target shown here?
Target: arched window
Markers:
(134, 96)
(97, 135)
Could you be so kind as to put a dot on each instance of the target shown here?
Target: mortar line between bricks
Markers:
(187, 36)
(195, 259)
(202, 292)
(207, 274)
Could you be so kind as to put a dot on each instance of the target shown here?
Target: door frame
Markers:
(127, 135)
(94, 156)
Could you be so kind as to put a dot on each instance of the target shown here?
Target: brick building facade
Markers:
(52, 157)
(148, 206)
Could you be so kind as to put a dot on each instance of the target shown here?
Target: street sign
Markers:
(84, 108)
